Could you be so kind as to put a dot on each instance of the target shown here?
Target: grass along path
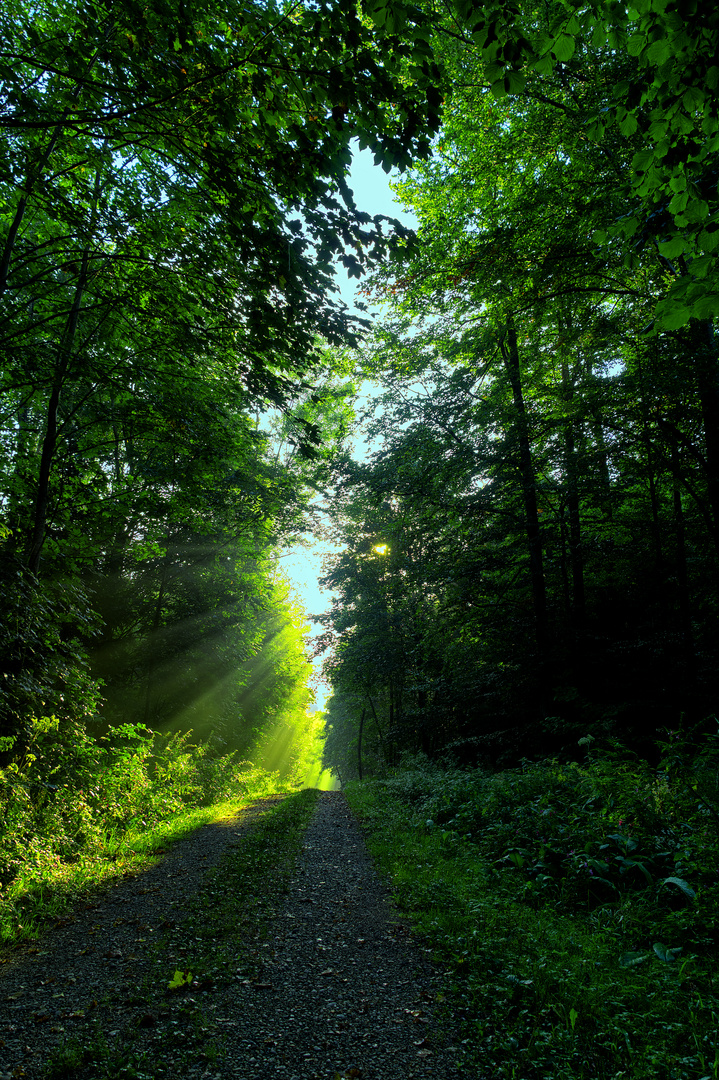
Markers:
(141, 1003)
(576, 909)
(32, 902)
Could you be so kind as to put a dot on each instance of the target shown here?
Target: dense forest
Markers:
(530, 550)
(523, 640)
(529, 554)
(173, 201)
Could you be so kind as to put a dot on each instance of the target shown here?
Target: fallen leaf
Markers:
(179, 979)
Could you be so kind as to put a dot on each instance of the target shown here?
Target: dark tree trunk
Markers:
(681, 568)
(156, 620)
(359, 744)
(707, 365)
(576, 555)
(49, 444)
(510, 355)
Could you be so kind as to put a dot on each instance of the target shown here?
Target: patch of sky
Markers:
(302, 564)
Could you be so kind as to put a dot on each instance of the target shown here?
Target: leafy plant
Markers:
(575, 907)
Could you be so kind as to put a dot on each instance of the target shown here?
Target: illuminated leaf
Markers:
(179, 979)
(563, 47)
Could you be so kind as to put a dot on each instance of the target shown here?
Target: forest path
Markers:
(337, 988)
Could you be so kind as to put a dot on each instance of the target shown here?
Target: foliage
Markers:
(655, 119)
(544, 469)
(71, 802)
(173, 182)
(574, 904)
(43, 655)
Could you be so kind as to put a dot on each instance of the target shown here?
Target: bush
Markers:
(68, 795)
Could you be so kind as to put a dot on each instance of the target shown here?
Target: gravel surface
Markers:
(341, 988)
(344, 989)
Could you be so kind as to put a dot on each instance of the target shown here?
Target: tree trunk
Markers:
(708, 382)
(681, 565)
(576, 556)
(157, 618)
(510, 355)
(359, 744)
(62, 366)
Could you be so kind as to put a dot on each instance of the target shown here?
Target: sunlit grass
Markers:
(137, 795)
(30, 902)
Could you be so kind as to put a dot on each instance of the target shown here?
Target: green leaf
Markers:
(706, 307)
(708, 241)
(670, 249)
(516, 81)
(545, 65)
(657, 130)
(599, 36)
(632, 959)
(697, 211)
(658, 52)
(563, 47)
(666, 955)
(179, 979)
(642, 161)
(679, 202)
(680, 884)
(671, 315)
(628, 124)
(636, 43)
(693, 99)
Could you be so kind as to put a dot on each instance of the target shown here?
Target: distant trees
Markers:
(544, 473)
(172, 177)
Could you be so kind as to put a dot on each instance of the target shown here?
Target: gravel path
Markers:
(345, 990)
(342, 990)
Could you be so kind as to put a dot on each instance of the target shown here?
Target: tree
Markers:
(174, 189)
(555, 451)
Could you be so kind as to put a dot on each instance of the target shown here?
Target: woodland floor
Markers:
(333, 986)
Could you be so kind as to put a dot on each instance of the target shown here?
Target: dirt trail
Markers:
(342, 989)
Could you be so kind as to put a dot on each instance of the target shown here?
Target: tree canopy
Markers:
(542, 503)
(174, 196)
(531, 547)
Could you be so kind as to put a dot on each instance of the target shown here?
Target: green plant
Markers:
(575, 908)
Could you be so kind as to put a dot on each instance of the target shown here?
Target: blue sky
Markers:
(373, 194)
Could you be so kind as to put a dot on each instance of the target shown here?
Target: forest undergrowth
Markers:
(575, 906)
(79, 811)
